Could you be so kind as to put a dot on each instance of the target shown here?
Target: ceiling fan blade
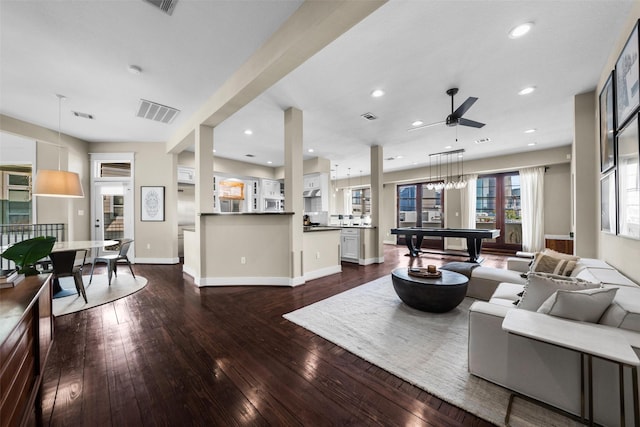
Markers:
(425, 126)
(464, 107)
(467, 122)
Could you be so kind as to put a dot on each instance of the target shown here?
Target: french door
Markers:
(421, 205)
(498, 206)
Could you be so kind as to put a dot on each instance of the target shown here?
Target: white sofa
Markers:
(549, 373)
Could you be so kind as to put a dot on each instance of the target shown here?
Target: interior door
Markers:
(113, 211)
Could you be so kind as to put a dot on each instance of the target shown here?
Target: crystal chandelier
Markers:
(448, 166)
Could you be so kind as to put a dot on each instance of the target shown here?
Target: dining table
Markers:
(63, 249)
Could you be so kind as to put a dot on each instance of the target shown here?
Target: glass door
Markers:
(421, 206)
(498, 206)
(113, 211)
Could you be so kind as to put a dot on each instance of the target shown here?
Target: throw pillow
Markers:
(560, 255)
(540, 286)
(544, 263)
(586, 305)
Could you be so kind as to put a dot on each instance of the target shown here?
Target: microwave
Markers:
(272, 205)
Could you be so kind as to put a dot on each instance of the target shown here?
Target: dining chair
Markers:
(112, 259)
(63, 266)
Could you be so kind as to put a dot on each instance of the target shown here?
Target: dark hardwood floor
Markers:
(174, 354)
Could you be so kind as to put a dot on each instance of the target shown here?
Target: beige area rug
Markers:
(98, 292)
(425, 349)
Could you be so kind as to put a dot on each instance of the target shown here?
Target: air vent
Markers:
(482, 140)
(390, 158)
(82, 115)
(250, 155)
(166, 6)
(157, 112)
(369, 116)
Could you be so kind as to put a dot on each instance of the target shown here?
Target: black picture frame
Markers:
(607, 125)
(608, 203)
(627, 85)
(628, 179)
(152, 203)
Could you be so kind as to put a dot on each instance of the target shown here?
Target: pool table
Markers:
(474, 238)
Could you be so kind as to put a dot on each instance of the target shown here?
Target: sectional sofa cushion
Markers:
(560, 255)
(541, 286)
(546, 263)
(624, 311)
(585, 305)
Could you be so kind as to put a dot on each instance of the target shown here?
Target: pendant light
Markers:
(58, 183)
(452, 179)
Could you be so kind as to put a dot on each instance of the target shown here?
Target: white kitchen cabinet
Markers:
(350, 244)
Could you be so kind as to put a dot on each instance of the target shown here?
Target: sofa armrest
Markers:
(487, 308)
(518, 264)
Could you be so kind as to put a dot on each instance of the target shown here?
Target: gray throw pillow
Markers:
(586, 305)
(541, 286)
(545, 263)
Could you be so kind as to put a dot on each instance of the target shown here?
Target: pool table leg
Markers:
(474, 246)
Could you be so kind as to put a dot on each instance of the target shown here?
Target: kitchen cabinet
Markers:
(350, 244)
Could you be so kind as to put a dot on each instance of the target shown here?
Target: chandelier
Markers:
(448, 166)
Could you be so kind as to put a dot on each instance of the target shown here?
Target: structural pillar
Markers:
(293, 187)
(203, 189)
(376, 201)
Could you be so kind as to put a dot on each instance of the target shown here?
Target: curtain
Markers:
(532, 203)
(468, 202)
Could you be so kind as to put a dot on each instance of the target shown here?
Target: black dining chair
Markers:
(112, 259)
(63, 266)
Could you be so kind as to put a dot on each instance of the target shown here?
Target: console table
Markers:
(26, 335)
(586, 340)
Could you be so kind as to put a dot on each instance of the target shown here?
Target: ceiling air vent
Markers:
(157, 112)
(82, 115)
(166, 6)
(369, 116)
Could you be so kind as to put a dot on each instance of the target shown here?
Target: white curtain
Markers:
(468, 202)
(532, 202)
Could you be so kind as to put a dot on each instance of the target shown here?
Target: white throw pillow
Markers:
(541, 286)
(586, 305)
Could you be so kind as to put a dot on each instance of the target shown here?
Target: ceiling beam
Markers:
(312, 26)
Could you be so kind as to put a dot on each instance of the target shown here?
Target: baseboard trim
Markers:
(155, 260)
(327, 271)
(375, 260)
(248, 281)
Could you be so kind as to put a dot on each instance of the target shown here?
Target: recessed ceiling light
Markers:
(377, 93)
(310, 150)
(269, 162)
(527, 90)
(531, 144)
(447, 147)
(399, 157)
(530, 131)
(417, 123)
(248, 132)
(134, 69)
(520, 30)
(214, 150)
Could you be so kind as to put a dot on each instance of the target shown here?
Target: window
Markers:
(419, 206)
(361, 201)
(498, 206)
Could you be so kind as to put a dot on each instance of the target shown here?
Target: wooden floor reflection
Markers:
(174, 354)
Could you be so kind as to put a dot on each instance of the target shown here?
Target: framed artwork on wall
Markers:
(628, 172)
(628, 79)
(607, 125)
(152, 203)
(608, 214)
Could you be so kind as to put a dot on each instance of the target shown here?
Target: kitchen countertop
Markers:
(320, 228)
(356, 226)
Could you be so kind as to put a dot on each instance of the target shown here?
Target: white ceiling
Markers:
(413, 50)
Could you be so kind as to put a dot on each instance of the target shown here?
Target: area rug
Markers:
(98, 292)
(424, 349)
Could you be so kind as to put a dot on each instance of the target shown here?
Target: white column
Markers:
(204, 190)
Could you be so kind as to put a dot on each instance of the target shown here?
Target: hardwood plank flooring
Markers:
(174, 354)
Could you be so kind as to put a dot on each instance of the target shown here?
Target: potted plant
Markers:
(26, 253)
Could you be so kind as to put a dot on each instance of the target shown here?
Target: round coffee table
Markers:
(435, 295)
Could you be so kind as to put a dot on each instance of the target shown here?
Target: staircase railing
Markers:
(13, 233)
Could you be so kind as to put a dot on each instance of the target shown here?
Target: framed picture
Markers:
(607, 126)
(628, 145)
(608, 214)
(627, 79)
(152, 203)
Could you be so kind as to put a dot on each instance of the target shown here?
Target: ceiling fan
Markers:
(455, 118)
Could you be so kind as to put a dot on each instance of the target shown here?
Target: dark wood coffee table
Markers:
(435, 295)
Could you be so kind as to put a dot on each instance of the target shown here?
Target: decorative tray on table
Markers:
(424, 272)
